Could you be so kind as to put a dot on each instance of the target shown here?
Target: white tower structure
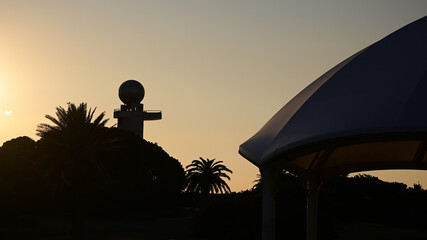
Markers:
(131, 115)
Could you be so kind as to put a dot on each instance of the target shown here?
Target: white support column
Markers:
(269, 176)
(312, 189)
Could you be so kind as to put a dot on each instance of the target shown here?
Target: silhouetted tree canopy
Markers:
(71, 149)
(80, 166)
(142, 173)
(360, 198)
(206, 176)
(17, 171)
(94, 168)
(80, 154)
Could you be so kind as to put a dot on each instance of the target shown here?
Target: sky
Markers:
(218, 70)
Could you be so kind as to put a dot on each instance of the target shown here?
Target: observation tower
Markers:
(131, 115)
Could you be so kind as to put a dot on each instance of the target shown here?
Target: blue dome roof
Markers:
(378, 93)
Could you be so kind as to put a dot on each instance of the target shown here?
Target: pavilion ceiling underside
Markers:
(361, 157)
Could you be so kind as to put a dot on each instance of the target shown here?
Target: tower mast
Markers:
(131, 115)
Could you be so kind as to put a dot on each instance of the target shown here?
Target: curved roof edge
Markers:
(260, 149)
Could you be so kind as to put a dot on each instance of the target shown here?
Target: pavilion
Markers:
(367, 113)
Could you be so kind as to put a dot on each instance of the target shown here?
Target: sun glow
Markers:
(8, 113)
(5, 110)
(2, 91)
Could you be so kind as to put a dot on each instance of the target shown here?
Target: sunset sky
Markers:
(218, 70)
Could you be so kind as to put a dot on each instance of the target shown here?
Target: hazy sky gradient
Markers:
(217, 69)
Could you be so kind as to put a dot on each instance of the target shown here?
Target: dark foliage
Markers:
(69, 150)
(17, 171)
(238, 215)
(144, 177)
(70, 158)
(230, 216)
(369, 199)
(117, 174)
(362, 198)
(206, 176)
(104, 170)
(80, 168)
(141, 175)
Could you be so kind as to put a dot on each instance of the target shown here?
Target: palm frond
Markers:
(74, 136)
(206, 176)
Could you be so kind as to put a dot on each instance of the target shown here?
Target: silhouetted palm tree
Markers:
(71, 147)
(206, 176)
(73, 118)
(75, 140)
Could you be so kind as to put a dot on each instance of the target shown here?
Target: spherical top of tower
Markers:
(131, 92)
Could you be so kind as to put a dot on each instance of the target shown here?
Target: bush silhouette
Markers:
(144, 177)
